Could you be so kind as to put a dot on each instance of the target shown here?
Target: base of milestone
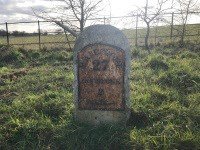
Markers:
(96, 117)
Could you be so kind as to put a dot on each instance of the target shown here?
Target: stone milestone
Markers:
(101, 68)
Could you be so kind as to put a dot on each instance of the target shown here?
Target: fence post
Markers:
(67, 39)
(155, 38)
(172, 24)
(39, 34)
(136, 31)
(7, 34)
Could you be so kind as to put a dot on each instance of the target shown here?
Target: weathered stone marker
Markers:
(101, 67)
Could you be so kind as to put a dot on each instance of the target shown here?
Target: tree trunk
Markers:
(66, 28)
(81, 24)
(147, 38)
(182, 35)
(184, 27)
(82, 17)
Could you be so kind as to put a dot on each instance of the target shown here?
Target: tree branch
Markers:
(66, 28)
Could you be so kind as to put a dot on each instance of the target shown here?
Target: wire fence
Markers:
(46, 34)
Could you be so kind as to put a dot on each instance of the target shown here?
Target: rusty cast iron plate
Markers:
(101, 78)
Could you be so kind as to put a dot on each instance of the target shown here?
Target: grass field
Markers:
(36, 102)
(51, 41)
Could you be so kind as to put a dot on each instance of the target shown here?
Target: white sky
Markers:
(17, 10)
(20, 10)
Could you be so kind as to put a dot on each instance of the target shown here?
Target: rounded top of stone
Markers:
(102, 34)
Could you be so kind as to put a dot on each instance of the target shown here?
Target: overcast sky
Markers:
(21, 10)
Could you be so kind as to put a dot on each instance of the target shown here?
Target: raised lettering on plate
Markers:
(101, 78)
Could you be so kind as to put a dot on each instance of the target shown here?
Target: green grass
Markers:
(36, 106)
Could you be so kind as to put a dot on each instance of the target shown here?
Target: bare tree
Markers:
(149, 15)
(72, 11)
(185, 8)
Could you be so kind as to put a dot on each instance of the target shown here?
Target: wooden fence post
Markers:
(66, 36)
(136, 31)
(7, 34)
(172, 24)
(39, 35)
(104, 20)
(155, 38)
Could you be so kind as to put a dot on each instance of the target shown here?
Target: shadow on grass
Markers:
(138, 120)
(81, 136)
(67, 134)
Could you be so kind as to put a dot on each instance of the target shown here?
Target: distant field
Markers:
(47, 39)
(162, 35)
